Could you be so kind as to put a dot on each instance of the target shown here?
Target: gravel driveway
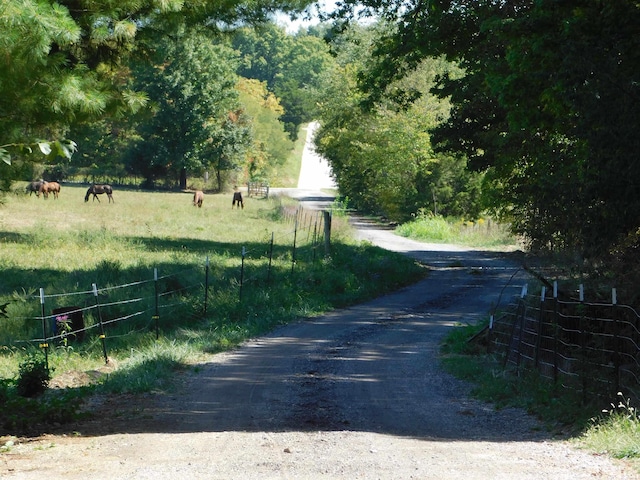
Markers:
(355, 394)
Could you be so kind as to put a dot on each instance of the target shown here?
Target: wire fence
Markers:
(590, 347)
(139, 306)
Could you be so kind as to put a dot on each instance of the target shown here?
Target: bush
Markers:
(33, 377)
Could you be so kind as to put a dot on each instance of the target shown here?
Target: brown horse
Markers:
(198, 198)
(50, 187)
(96, 190)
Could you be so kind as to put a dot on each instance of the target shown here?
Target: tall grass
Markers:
(64, 246)
(484, 233)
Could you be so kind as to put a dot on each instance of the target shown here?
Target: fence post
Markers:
(45, 344)
(521, 306)
(616, 339)
(270, 259)
(295, 236)
(244, 252)
(156, 317)
(102, 335)
(490, 334)
(556, 329)
(206, 285)
(543, 294)
(327, 232)
(583, 346)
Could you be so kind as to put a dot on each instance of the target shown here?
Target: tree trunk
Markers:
(183, 179)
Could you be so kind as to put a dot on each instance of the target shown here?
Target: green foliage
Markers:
(290, 66)
(544, 108)
(33, 376)
(481, 233)
(197, 123)
(271, 145)
(66, 63)
(616, 431)
(382, 157)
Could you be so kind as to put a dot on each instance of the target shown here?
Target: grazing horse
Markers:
(237, 198)
(50, 187)
(198, 198)
(96, 190)
(34, 187)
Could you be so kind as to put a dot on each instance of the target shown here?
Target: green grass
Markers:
(614, 432)
(484, 233)
(64, 246)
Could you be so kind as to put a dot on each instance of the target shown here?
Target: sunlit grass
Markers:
(65, 246)
(484, 233)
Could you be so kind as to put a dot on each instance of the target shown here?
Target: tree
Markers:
(290, 66)
(196, 120)
(65, 61)
(382, 157)
(271, 144)
(545, 107)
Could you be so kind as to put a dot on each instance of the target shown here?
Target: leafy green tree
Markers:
(382, 157)
(546, 107)
(64, 61)
(290, 66)
(271, 144)
(196, 121)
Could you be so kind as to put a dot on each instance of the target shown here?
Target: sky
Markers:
(293, 26)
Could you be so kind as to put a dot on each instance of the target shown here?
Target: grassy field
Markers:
(64, 246)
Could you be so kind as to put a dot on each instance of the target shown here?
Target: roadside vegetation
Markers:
(612, 429)
(484, 232)
(65, 245)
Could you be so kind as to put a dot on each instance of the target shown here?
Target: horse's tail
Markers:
(86, 197)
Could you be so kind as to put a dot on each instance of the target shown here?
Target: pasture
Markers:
(65, 245)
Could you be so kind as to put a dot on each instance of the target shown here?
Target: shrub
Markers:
(33, 377)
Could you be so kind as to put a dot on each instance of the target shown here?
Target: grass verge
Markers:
(484, 233)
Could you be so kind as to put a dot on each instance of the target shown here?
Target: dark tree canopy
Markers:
(547, 106)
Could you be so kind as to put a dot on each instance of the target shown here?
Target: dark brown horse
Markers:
(237, 199)
(96, 190)
(34, 187)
